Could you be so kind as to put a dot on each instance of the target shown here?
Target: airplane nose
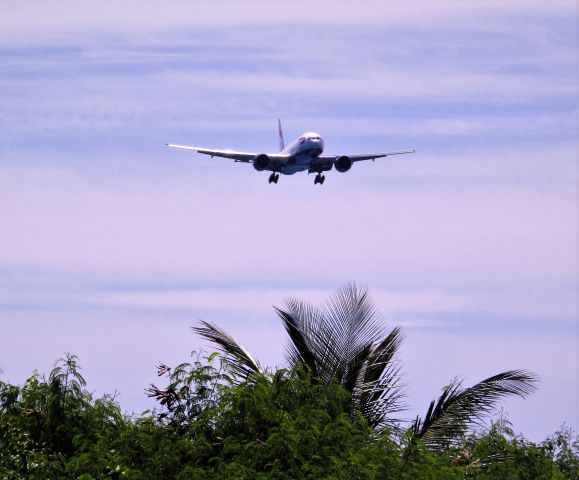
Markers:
(318, 145)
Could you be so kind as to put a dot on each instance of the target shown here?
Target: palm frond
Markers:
(383, 390)
(312, 340)
(240, 360)
(299, 350)
(356, 367)
(331, 336)
(457, 409)
(344, 341)
(353, 317)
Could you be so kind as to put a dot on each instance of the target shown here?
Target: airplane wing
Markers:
(361, 156)
(246, 157)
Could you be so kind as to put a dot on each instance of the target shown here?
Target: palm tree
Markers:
(344, 341)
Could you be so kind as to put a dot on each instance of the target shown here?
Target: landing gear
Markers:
(274, 177)
(319, 179)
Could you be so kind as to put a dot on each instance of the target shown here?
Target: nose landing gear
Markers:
(319, 179)
(274, 177)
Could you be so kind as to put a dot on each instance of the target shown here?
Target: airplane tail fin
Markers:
(281, 142)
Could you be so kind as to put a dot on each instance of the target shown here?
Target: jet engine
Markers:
(343, 164)
(261, 162)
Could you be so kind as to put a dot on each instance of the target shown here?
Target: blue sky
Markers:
(112, 246)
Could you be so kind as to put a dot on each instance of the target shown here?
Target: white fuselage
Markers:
(303, 152)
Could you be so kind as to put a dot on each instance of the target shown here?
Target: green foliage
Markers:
(498, 453)
(211, 425)
(46, 424)
(290, 426)
(331, 414)
(193, 390)
(563, 448)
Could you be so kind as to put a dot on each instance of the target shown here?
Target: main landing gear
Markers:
(319, 179)
(274, 177)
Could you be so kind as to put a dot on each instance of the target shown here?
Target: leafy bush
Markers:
(210, 425)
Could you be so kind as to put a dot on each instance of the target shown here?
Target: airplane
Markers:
(305, 153)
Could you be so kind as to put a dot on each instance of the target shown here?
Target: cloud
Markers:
(410, 307)
(385, 83)
(194, 84)
(133, 17)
